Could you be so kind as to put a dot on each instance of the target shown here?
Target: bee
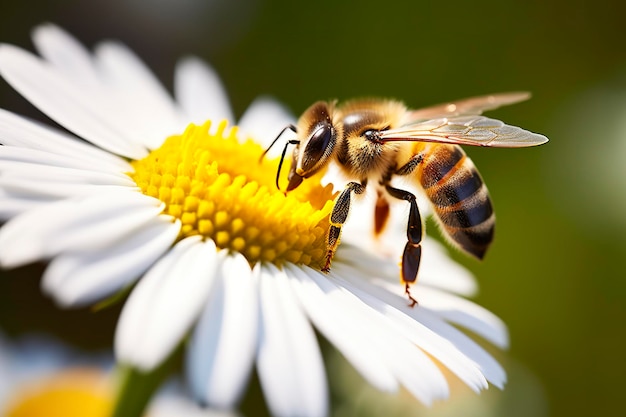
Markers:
(374, 140)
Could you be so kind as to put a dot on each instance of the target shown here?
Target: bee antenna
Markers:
(288, 127)
(282, 157)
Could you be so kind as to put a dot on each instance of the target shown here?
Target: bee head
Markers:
(319, 136)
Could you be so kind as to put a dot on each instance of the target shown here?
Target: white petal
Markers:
(453, 308)
(23, 133)
(90, 117)
(39, 157)
(21, 239)
(408, 364)
(12, 205)
(437, 269)
(491, 369)
(50, 173)
(165, 303)
(403, 317)
(264, 120)
(67, 54)
(466, 314)
(200, 92)
(55, 190)
(369, 265)
(79, 225)
(440, 271)
(289, 362)
(223, 346)
(50, 181)
(149, 107)
(82, 278)
(331, 312)
(131, 317)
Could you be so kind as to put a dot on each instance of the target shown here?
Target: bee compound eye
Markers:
(317, 146)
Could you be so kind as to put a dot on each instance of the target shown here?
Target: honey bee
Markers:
(374, 140)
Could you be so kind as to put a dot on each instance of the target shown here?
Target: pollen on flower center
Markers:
(221, 189)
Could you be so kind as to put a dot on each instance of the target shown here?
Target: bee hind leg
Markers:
(410, 265)
(338, 217)
(413, 249)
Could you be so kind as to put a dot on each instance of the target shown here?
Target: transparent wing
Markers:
(468, 106)
(465, 130)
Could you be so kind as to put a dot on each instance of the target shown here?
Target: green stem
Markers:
(136, 388)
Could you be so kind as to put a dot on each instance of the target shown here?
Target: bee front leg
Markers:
(338, 218)
(413, 248)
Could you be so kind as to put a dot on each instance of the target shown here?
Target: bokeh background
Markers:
(555, 273)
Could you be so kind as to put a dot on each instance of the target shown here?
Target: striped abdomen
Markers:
(459, 196)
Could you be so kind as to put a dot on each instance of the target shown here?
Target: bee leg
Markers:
(410, 166)
(338, 218)
(381, 214)
(410, 265)
(413, 248)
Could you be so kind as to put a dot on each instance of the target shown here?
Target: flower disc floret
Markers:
(222, 189)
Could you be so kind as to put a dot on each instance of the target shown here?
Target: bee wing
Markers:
(468, 106)
(465, 130)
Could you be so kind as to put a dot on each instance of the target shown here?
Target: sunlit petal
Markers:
(223, 346)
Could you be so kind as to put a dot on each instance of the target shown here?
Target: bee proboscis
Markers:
(373, 140)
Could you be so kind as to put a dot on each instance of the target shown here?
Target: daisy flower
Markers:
(40, 377)
(188, 216)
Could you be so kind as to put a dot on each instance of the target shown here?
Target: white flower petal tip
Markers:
(63, 100)
(179, 282)
(61, 49)
(466, 314)
(151, 115)
(223, 346)
(264, 120)
(200, 92)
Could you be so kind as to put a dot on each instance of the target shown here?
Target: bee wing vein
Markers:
(468, 106)
(465, 130)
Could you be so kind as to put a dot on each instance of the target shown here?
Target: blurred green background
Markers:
(554, 274)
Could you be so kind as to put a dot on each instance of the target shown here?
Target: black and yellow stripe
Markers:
(459, 196)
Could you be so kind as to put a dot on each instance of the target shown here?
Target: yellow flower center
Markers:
(71, 393)
(223, 190)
